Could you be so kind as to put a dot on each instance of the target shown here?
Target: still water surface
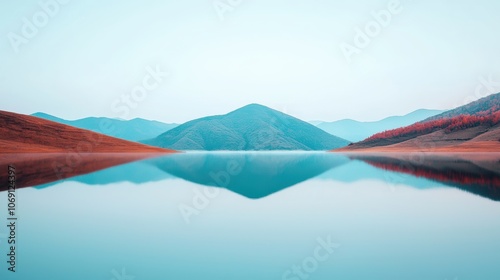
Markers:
(265, 215)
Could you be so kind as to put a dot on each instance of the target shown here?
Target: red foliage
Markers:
(490, 117)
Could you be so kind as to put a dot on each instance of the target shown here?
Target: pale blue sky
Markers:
(281, 53)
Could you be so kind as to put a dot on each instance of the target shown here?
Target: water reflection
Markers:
(42, 168)
(95, 223)
(253, 175)
(259, 174)
(478, 173)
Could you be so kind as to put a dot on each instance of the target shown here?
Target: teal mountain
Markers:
(132, 130)
(252, 127)
(355, 131)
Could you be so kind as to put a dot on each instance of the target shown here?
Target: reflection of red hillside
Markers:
(43, 151)
(447, 176)
(21, 133)
(41, 168)
(477, 173)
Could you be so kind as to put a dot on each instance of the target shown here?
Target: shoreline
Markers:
(474, 147)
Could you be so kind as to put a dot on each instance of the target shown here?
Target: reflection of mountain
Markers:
(149, 171)
(44, 168)
(475, 173)
(357, 170)
(259, 174)
(253, 175)
(136, 172)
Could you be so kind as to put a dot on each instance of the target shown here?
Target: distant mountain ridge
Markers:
(131, 130)
(355, 131)
(486, 105)
(252, 127)
(23, 133)
(472, 127)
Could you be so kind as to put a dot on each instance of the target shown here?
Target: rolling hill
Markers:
(23, 133)
(484, 106)
(132, 130)
(355, 131)
(472, 127)
(252, 127)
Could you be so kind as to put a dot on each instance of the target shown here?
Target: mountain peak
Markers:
(41, 114)
(254, 107)
(255, 111)
(132, 130)
(251, 127)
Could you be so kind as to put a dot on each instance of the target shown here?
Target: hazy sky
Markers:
(95, 58)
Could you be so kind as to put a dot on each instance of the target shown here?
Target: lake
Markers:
(254, 215)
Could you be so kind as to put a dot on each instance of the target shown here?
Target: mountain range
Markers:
(252, 127)
(355, 131)
(472, 127)
(132, 130)
(142, 130)
(139, 129)
(22, 133)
